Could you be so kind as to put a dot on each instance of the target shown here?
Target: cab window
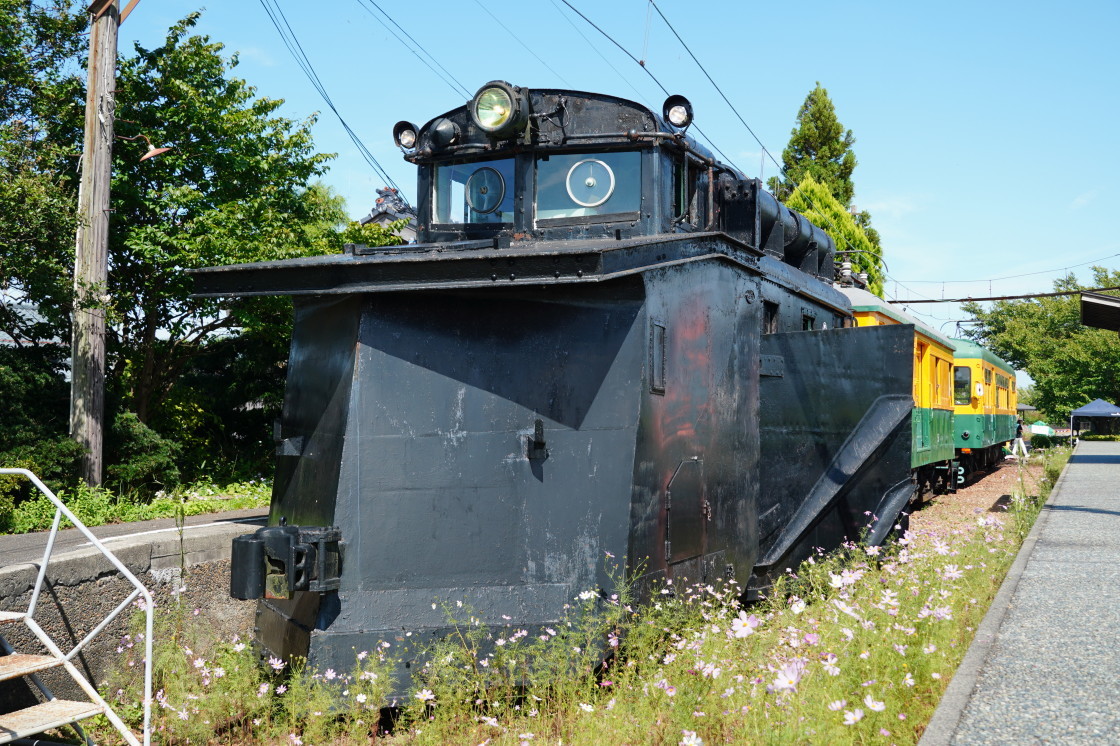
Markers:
(583, 185)
(479, 192)
(962, 384)
(685, 180)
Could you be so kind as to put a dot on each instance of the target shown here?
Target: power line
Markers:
(595, 49)
(454, 83)
(517, 37)
(716, 86)
(743, 121)
(276, 15)
(1014, 297)
(287, 35)
(1026, 274)
(644, 66)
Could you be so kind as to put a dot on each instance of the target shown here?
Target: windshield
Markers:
(475, 192)
(588, 184)
(962, 384)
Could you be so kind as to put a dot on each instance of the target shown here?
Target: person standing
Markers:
(1019, 448)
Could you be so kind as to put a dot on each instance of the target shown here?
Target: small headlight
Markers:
(404, 134)
(965, 435)
(677, 111)
(444, 133)
(499, 109)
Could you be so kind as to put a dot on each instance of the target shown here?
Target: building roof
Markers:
(1097, 408)
(1100, 311)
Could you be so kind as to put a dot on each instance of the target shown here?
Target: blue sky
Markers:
(986, 132)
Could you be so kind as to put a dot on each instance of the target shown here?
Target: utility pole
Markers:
(87, 392)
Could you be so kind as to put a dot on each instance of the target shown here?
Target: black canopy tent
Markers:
(1101, 416)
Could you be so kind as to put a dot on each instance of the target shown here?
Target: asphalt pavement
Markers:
(1044, 667)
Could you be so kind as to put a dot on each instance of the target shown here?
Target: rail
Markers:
(65, 658)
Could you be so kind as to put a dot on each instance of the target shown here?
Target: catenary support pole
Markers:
(87, 392)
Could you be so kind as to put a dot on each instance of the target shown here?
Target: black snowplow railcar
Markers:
(605, 342)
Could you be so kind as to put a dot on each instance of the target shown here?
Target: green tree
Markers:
(233, 188)
(812, 199)
(821, 149)
(236, 186)
(40, 44)
(1071, 364)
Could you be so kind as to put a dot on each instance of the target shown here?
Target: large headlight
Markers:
(499, 109)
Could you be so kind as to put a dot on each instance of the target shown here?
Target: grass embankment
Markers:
(856, 647)
(94, 506)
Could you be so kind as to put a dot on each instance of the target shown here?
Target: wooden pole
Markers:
(87, 392)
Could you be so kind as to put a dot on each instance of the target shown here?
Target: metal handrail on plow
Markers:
(49, 644)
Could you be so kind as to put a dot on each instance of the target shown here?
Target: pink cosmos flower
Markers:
(743, 625)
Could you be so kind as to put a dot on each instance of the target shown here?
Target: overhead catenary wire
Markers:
(517, 37)
(716, 86)
(1013, 297)
(765, 150)
(653, 77)
(291, 42)
(1015, 277)
(454, 83)
(595, 49)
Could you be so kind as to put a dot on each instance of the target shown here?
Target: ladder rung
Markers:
(7, 617)
(41, 717)
(21, 664)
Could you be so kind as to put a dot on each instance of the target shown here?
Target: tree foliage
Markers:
(40, 43)
(1071, 364)
(203, 378)
(814, 200)
(820, 149)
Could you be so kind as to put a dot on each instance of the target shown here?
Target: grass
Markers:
(95, 506)
(857, 646)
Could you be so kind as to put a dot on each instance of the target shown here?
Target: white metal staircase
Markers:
(53, 712)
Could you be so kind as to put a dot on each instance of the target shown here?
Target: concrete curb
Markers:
(951, 709)
(141, 554)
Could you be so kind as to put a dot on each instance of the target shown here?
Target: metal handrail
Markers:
(60, 512)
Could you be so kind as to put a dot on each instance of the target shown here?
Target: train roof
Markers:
(966, 348)
(862, 300)
(562, 119)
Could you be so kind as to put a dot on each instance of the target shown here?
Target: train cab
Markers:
(984, 401)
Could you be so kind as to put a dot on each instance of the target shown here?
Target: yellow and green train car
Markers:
(984, 399)
(933, 448)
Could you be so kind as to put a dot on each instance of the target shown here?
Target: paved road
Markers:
(23, 548)
(1044, 667)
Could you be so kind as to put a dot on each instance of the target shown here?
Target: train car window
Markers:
(940, 375)
(480, 192)
(581, 185)
(987, 376)
(769, 317)
(962, 385)
(807, 323)
(685, 179)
